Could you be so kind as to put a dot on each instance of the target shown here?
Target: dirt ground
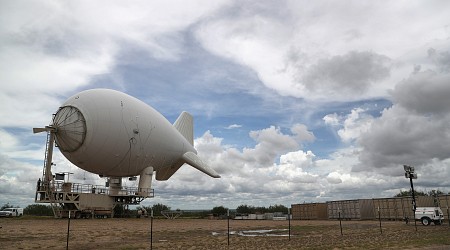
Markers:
(38, 233)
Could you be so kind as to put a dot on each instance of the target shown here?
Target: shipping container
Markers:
(407, 207)
(390, 208)
(252, 216)
(399, 208)
(426, 201)
(268, 216)
(396, 208)
(361, 209)
(444, 201)
(310, 211)
(444, 204)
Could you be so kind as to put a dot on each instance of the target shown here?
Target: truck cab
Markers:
(429, 214)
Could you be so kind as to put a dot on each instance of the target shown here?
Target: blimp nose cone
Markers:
(70, 127)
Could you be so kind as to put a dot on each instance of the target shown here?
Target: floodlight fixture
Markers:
(410, 175)
(408, 168)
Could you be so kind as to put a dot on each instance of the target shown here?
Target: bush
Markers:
(38, 209)
(218, 211)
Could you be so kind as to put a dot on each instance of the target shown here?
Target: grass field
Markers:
(38, 233)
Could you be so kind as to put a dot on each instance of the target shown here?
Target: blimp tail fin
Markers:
(185, 125)
(189, 158)
(165, 173)
(193, 160)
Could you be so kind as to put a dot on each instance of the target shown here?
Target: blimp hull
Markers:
(113, 134)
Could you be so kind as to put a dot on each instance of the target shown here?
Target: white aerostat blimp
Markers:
(112, 134)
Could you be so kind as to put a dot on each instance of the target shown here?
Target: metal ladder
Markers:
(48, 184)
(46, 155)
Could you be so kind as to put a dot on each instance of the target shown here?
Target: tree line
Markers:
(122, 211)
(248, 209)
(406, 193)
(33, 209)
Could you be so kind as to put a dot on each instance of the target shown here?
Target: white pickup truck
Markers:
(11, 212)
(429, 214)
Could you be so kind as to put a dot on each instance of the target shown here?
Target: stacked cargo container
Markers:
(361, 209)
(392, 208)
(310, 211)
(397, 208)
(444, 201)
(444, 204)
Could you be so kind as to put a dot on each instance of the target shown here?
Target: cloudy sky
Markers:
(293, 101)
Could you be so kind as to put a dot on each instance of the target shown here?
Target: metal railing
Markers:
(62, 186)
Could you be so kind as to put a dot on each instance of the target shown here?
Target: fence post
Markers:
(68, 229)
(379, 218)
(289, 218)
(151, 228)
(228, 220)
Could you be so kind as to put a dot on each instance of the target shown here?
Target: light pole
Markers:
(409, 173)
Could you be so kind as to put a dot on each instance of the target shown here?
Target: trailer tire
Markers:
(425, 221)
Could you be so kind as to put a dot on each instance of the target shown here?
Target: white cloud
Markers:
(402, 137)
(331, 119)
(348, 75)
(17, 181)
(299, 48)
(334, 178)
(302, 134)
(14, 146)
(299, 159)
(356, 123)
(7, 140)
(271, 142)
(415, 129)
(351, 126)
(233, 126)
(52, 48)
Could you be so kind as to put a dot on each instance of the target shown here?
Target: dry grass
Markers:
(31, 233)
